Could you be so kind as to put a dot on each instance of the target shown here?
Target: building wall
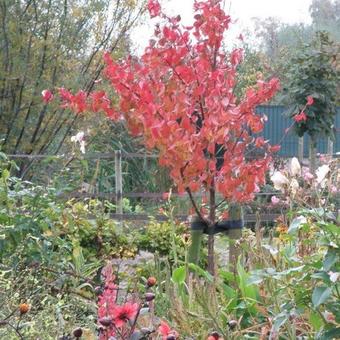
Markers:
(277, 124)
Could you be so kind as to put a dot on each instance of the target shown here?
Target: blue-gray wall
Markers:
(277, 124)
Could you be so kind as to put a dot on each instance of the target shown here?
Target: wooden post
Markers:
(119, 182)
(235, 214)
(330, 147)
(300, 149)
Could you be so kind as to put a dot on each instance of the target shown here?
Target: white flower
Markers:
(294, 186)
(78, 137)
(321, 174)
(333, 276)
(279, 180)
(82, 146)
(295, 167)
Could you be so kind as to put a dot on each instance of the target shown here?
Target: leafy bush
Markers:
(162, 238)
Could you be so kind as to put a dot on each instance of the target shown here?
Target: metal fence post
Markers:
(119, 182)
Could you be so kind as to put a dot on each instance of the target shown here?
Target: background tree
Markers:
(44, 43)
(326, 16)
(255, 66)
(313, 73)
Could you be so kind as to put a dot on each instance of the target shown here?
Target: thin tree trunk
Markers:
(312, 154)
(212, 221)
(330, 147)
(35, 91)
(300, 149)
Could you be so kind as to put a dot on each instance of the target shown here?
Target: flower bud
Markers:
(105, 321)
(170, 337)
(98, 290)
(149, 296)
(151, 281)
(214, 335)
(232, 324)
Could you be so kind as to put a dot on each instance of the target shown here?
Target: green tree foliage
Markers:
(312, 73)
(255, 66)
(280, 41)
(42, 44)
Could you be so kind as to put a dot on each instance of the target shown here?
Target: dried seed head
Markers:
(78, 332)
(24, 308)
(151, 281)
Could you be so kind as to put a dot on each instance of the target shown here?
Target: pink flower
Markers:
(165, 330)
(307, 176)
(47, 96)
(301, 117)
(107, 300)
(121, 314)
(275, 200)
(310, 100)
(166, 195)
(154, 8)
(334, 189)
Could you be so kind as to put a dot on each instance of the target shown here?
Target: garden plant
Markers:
(68, 270)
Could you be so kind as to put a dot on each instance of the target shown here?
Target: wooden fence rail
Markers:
(248, 218)
(119, 194)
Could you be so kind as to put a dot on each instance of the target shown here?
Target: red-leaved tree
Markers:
(179, 97)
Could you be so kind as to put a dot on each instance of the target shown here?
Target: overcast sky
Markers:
(242, 11)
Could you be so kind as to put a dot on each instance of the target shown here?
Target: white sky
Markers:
(242, 11)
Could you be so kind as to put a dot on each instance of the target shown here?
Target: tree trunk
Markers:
(212, 221)
(330, 147)
(300, 150)
(312, 154)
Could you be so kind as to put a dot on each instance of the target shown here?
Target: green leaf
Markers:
(320, 295)
(248, 291)
(5, 174)
(228, 276)
(330, 334)
(178, 275)
(296, 223)
(201, 272)
(330, 227)
(316, 320)
(330, 258)
(321, 275)
(229, 292)
(279, 321)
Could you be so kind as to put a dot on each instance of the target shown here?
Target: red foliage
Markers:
(310, 100)
(47, 96)
(154, 8)
(301, 117)
(179, 97)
